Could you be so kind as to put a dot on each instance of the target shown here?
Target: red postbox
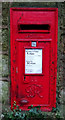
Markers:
(34, 56)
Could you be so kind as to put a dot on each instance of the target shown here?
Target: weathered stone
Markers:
(5, 93)
(5, 70)
(5, 40)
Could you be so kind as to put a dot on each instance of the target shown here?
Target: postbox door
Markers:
(33, 72)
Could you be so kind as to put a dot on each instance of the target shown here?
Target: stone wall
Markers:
(6, 44)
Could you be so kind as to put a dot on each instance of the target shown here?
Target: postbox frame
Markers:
(13, 82)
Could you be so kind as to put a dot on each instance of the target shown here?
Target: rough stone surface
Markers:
(5, 71)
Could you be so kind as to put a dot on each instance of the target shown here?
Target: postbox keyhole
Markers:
(24, 78)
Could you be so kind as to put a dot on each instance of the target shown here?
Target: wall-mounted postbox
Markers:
(34, 56)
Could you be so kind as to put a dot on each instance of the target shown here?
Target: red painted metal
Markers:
(38, 25)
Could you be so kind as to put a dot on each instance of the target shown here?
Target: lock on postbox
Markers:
(34, 57)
